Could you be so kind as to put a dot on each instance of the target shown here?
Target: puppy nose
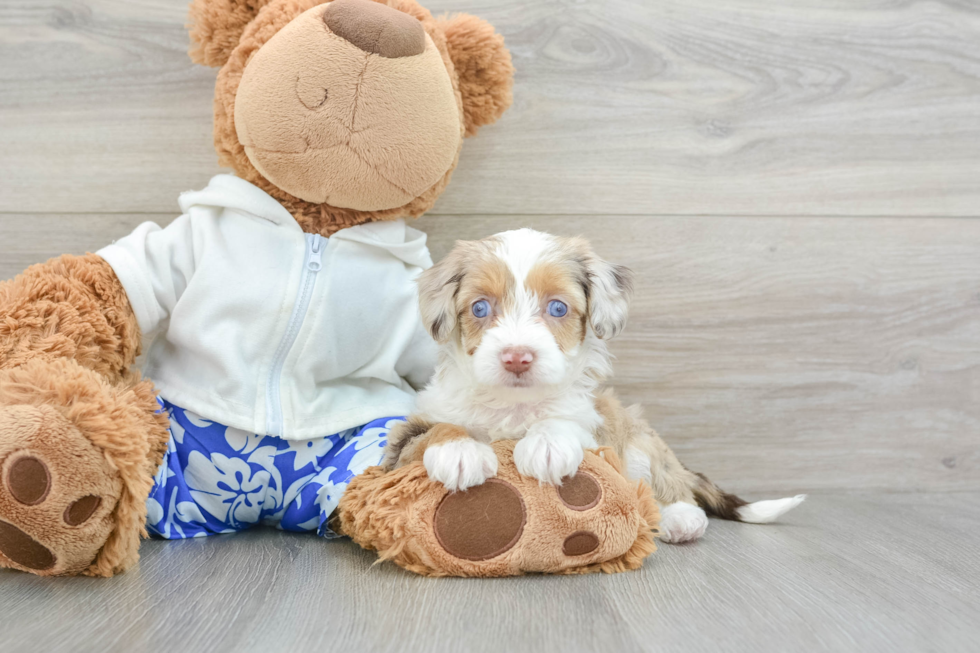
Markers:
(375, 28)
(517, 359)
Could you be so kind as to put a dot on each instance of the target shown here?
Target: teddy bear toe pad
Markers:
(580, 492)
(28, 480)
(20, 548)
(580, 543)
(80, 511)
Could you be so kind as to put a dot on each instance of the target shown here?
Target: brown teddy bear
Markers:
(283, 305)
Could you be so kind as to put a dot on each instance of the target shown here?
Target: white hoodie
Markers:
(265, 328)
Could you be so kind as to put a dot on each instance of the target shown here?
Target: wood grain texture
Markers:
(681, 107)
(855, 572)
(786, 350)
(784, 353)
(774, 354)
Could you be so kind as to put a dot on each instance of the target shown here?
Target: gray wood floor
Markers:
(797, 185)
(849, 572)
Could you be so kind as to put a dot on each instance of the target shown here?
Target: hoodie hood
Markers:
(230, 192)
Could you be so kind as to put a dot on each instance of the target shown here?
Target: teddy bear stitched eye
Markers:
(481, 308)
(557, 308)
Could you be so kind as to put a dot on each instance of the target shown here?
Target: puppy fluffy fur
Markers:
(523, 319)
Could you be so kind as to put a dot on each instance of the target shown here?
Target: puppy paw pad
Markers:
(28, 480)
(579, 492)
(482, 522)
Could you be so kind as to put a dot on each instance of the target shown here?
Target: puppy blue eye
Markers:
(481, 308)
(557, 308)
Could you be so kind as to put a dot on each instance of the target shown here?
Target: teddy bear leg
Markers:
(76, 455)
(511, 524)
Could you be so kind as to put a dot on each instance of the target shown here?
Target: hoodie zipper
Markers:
(273, 389)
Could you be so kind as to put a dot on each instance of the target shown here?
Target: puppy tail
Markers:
(721, 504)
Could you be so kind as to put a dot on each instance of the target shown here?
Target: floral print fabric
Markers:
(219, 479)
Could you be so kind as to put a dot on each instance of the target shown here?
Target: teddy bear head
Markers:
(347, 111)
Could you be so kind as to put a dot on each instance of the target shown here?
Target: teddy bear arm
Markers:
(70, 307)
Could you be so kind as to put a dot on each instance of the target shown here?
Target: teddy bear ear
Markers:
(216, 27)
(486, 75)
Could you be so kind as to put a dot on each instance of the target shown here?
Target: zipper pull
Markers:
(316, 252)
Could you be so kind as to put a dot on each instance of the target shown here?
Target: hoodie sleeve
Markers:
(154, 265)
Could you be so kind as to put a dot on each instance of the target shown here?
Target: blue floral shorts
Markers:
(219, 479)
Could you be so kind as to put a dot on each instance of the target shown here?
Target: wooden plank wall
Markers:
(796, 184)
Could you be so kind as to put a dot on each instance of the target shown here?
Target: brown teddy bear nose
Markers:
(375, 28)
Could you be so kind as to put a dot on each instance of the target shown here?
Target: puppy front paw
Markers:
(547, 455)
(460, 464)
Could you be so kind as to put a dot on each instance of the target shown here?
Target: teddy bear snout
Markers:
(375, 28)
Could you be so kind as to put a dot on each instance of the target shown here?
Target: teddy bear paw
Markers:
(56, 493)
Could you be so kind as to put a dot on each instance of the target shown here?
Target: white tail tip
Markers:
(763, 512)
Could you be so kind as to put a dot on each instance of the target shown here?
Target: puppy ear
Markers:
(438, 287)
(486, 75)
(609, 290)
(216, 27)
